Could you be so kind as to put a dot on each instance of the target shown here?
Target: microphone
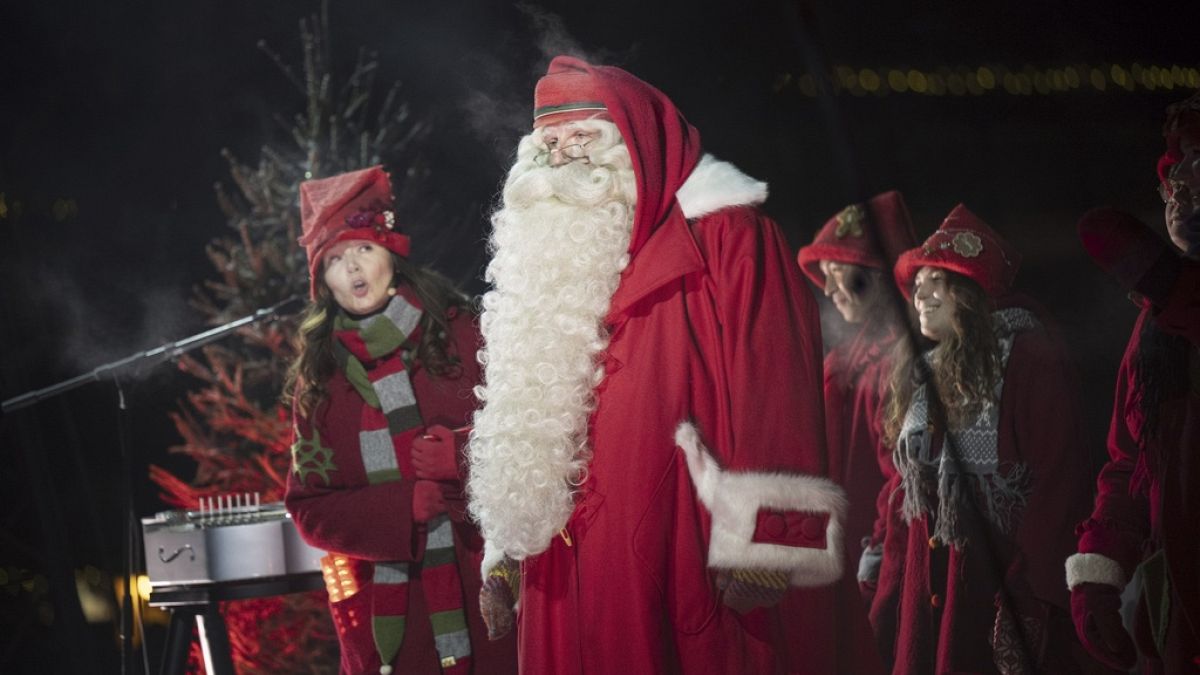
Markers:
(1130, 251)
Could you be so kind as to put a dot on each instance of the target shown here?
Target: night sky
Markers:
(113, 115)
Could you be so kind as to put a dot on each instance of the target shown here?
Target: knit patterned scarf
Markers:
(976, 469)
(372, 352)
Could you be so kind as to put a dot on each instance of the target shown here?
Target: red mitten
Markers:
(1131, 251)
(435, 454)
(427, 501)
(744, 590)
(1096, 611)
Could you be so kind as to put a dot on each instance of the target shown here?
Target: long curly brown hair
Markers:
(965, 366)
(315, 364)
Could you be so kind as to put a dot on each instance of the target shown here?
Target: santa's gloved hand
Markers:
(435, 454)
(743, 590)
(1096, 611)
(427, 501)
(498, 598)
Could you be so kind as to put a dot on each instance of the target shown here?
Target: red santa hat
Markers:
(354, 205)
(966, 245)
(663, 146)
(849, 237)
(1183, 124)
(566, 94)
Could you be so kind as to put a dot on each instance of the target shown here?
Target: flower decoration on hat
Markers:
(377, 214)
(966, 244)
(850, 221)
(353, 205)
(867, 234)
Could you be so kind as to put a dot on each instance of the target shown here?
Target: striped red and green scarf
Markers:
(371, 353)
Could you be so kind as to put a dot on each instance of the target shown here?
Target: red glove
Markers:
(427, 501)
(454, 495)
(435, 454)
(1096, 611)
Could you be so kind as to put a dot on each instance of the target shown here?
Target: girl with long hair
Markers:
(990, 474)
(381, 391)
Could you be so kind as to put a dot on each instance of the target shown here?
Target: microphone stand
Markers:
(114, 371)
(154, 356)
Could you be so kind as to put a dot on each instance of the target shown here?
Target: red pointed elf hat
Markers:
(847, 237)
(966, 245)
(354, 205)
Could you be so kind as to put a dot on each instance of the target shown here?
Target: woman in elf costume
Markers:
(380, 392)
(851, 259)
(991, 475)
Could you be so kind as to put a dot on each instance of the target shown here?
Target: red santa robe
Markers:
(946, 598)
(711, 325)
(341, 512)
(1147, 509)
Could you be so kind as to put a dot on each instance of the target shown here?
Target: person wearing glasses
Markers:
(648, 467)
(1147, 508)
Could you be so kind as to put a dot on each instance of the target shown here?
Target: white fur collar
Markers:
(714, 185)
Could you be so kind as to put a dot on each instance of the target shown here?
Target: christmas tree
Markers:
(233, 426)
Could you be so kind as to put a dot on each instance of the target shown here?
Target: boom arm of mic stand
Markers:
(157, 355)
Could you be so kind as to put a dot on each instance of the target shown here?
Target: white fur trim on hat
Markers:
(714, 185)
(734, 499)
(1093, 568)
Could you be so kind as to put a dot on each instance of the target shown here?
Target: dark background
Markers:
(112, 116)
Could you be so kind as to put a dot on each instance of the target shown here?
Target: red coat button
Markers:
(812, 528)
(775, 525)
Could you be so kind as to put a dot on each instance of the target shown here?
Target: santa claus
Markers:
(648, 464)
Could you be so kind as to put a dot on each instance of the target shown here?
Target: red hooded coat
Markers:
(711, 324)
(1148, 505)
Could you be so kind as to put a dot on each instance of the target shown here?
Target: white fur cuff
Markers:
(1083, 568)
(492, 555)
(734, 500)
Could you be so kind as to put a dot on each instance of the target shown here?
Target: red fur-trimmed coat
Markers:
(345, 514)
(856, 381)
(1144, 509)
(712, 324)
(940, 601)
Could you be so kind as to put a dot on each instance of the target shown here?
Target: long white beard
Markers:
(559, 245)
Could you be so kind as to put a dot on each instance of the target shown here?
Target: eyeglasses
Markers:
(572, 152)
(1177, 191)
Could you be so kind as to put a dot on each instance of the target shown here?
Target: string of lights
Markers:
(994, 79)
